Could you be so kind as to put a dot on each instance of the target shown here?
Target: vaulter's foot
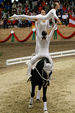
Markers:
(29, 77)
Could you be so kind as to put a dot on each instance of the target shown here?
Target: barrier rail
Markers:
(27, 59)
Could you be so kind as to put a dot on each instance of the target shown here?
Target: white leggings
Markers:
(35, 59)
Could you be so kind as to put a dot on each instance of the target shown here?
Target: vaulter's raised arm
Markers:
(52, 31)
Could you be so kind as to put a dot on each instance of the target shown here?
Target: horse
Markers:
(41, 78)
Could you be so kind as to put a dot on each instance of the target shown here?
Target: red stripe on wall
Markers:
(73, 18)
(71, 25)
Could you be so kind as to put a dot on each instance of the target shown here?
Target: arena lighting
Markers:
(27, 58)
(13, 1)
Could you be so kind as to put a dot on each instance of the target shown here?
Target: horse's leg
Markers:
(32, 95)
(38, 93)
(45, 99)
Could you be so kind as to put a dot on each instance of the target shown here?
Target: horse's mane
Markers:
(40, 63)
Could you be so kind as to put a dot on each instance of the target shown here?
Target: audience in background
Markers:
(32, 7)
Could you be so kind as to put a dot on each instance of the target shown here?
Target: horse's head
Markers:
(47, 67)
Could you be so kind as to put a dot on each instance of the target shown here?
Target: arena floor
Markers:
(15, 91)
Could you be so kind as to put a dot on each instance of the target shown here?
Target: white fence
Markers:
(27, 59)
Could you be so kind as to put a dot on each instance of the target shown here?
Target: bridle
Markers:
(42, 76)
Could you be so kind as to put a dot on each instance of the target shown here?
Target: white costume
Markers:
(42, 46)
(43, 50)
(50, 15)
(40, 26)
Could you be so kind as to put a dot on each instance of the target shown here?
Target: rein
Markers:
(42, 76)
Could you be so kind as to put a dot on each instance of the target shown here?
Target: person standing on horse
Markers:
(43, 38)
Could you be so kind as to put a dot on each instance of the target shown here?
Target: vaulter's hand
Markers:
(59, 22)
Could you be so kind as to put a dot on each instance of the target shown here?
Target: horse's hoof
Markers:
(45, 111)
(30, 106)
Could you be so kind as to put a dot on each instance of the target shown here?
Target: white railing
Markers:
(27, 58)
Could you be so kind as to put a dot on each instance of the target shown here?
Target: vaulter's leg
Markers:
(32, 62)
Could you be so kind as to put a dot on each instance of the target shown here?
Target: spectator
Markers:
(69, 11)
(19, 23)
(59, 15)
(26, 7)
(0, 13)
(38, 2)
(64, 8)
(47, 7)
(1, 23)
(4, 14)
(8, 14)
(8, 7)
(43, 3)
(19, 9)
(28, 21)
(14, 7)
(73, 14)
(39, 8)
(5, 22)
(34, 4)
(65, 18)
